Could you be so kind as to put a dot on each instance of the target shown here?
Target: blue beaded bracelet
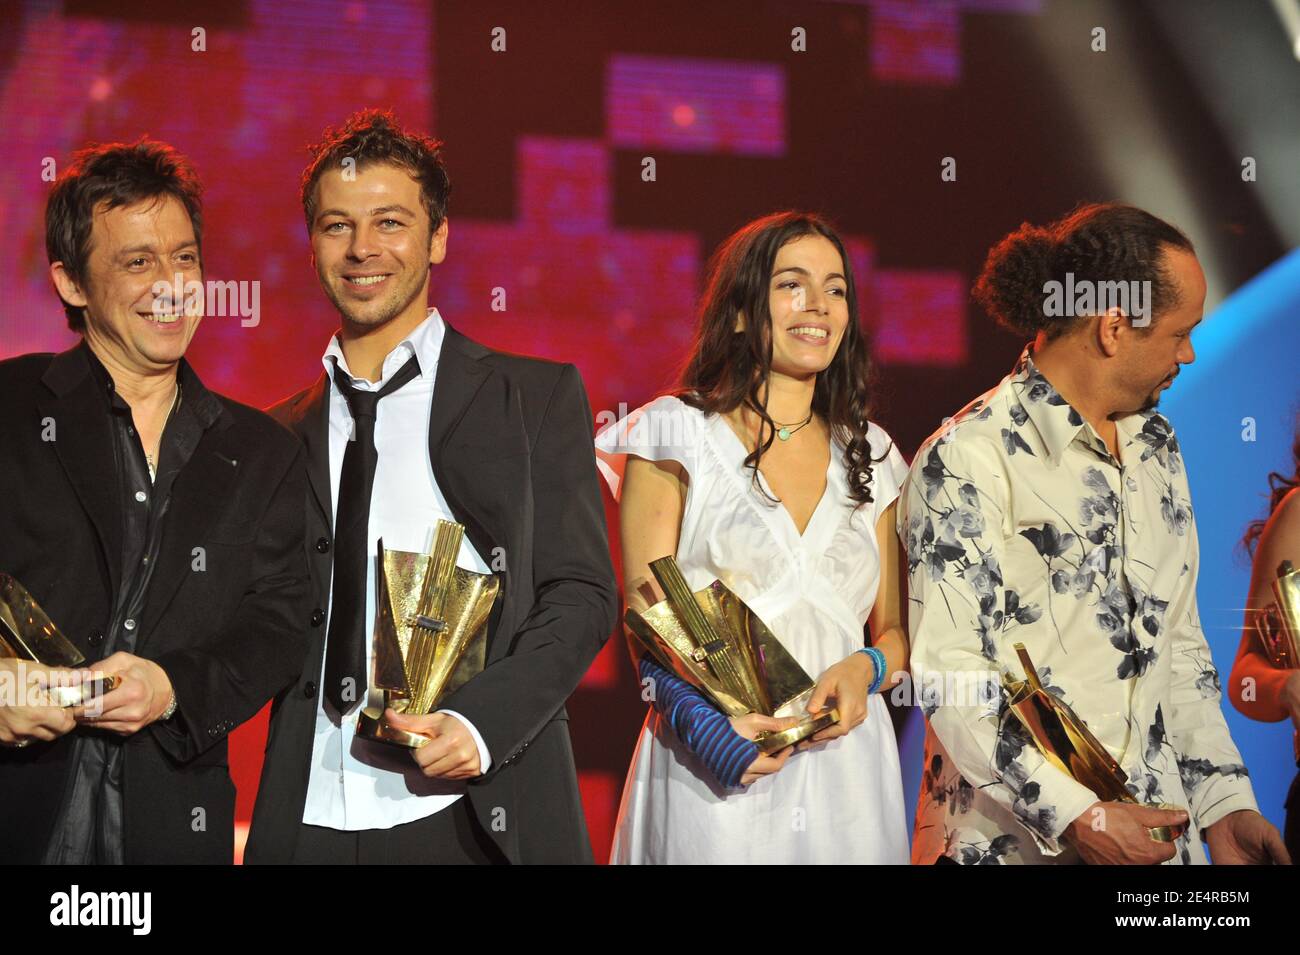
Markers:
(878, 659)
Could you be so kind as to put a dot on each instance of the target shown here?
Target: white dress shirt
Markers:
(357, 783)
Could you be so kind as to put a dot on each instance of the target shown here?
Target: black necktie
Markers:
(345, 648)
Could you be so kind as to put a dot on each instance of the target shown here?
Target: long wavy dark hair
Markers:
(727, 368)
(1279, 486)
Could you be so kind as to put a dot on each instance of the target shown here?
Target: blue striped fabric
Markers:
(701, 727)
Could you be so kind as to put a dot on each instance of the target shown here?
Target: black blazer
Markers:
(227, 629)
(510, 439)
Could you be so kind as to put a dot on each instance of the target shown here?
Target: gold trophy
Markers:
(1278, 627)
(27, 633)
(1065, 741)
(431, 633)
(712, 640)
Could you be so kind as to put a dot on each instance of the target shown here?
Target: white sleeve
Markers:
(662, 430)
(888, 475)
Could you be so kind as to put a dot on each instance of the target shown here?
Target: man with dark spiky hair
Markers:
(158, 524)
(412, 423)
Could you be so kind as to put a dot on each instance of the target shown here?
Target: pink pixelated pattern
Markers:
(693, 105)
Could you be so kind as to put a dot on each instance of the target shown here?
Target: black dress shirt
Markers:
(89, 831)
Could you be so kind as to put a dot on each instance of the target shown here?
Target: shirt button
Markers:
(96, 638)
(322, 546)
(129, 623)
(309, 689)
(317, 617)
(141, 496)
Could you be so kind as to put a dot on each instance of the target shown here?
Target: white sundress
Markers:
(839, 802)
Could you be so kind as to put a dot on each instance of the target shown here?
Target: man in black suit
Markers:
(411, 423)
(157, 523)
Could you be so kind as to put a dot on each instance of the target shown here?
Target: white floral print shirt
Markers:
(1021, 527)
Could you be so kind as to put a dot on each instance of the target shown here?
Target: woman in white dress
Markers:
(748, 475)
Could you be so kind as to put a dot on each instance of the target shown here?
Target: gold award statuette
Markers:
(1065, 741)
(27, 633)
(1278, 626)
(431, 632)
(711, 639)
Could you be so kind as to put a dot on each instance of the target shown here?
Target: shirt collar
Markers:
(1154, 435)
(424, 342)
(195, 394)
(1057, 422)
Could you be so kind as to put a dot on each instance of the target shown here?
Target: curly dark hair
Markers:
(374, 136)
(1279, 486)
(113, 175)
(727, 368)
(1097, 242)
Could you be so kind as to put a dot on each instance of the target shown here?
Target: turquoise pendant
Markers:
(784, 434)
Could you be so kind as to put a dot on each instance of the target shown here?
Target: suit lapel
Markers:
(459, 377)
(311, 421)
(84, 445)
(208, 477)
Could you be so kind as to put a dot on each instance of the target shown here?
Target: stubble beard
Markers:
(387, 309)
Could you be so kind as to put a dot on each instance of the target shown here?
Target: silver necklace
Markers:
(176, 403)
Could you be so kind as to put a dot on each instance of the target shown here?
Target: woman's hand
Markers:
(749, 726)
(846, 684)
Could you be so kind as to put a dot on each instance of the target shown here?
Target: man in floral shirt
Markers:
(1054, 512)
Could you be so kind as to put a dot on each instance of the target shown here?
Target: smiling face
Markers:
(808, 303)
(1152, 358)
(371, 245)
(130, 325)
